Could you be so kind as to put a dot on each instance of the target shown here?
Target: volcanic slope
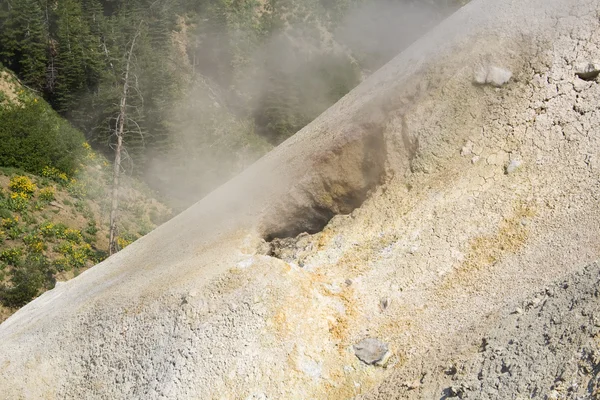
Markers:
(421, 210)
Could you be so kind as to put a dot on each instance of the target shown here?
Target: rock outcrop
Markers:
(454, 201)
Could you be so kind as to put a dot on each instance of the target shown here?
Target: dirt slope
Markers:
(434, 205)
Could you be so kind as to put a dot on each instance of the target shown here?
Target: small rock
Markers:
(451, 370)
(411, 385)
(57, 205)
(553, 395)
(413, 249)
(518, 310)
(372, 351)
(512, 166)
(492, 75)
(498, 76)
(384, 303)
(456, 391)
(475, 159)
(588, 71)
(348, 282)
(481, 76)
(257, 396)
(467, 149)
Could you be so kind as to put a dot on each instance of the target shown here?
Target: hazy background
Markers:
(311, 58)
(215, 84)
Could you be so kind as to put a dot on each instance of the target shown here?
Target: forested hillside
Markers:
(54, 199)
(215, 83)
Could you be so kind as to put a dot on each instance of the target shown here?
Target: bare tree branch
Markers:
(120, 149)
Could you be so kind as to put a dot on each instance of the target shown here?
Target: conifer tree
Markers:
(78, 56)
(23, 41)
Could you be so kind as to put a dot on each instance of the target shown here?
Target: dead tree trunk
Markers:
(119, 129)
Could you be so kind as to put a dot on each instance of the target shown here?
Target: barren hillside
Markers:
(426, 237)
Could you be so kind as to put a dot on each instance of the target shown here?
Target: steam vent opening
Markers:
(338, 182)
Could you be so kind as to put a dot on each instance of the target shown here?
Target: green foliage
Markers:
(23, 40)
(91, 229)
(11, 256)
(15, 232)
(47, 194)
(16, 202)
(5, 213)
(77, 188)
(22, 184)
(27, 280)
(78, 57)
(73, 255)
(33, 137)
(34, 242)
(51, 230)
(9, 222)
(55, 174)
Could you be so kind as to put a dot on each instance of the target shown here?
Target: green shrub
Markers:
(16, 202)
(34, 136)
(27, 281)
(47, 194)
(73, 256)
(51, 230)
(55, 174)
(5, 213)
(73, 235)
(9, 222)
(91, 229)
(11, 256)
(80, 206)
(15, 232)
(34, 243)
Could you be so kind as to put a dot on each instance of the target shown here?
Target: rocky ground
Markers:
(545, 347)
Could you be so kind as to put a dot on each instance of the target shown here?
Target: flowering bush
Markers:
(55, 174)
(64, 248)
(11, 256)
(72, 235)
(51, 230)
(34, 243)
(74, 256)
(47, 229)
(10, 222)
(47, 194)
(17, 201)
(22, 185)
(123, 242)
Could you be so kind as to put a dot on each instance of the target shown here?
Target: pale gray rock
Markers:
(492, 75)
(588, 71)
(372, 351)
(513, 166)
